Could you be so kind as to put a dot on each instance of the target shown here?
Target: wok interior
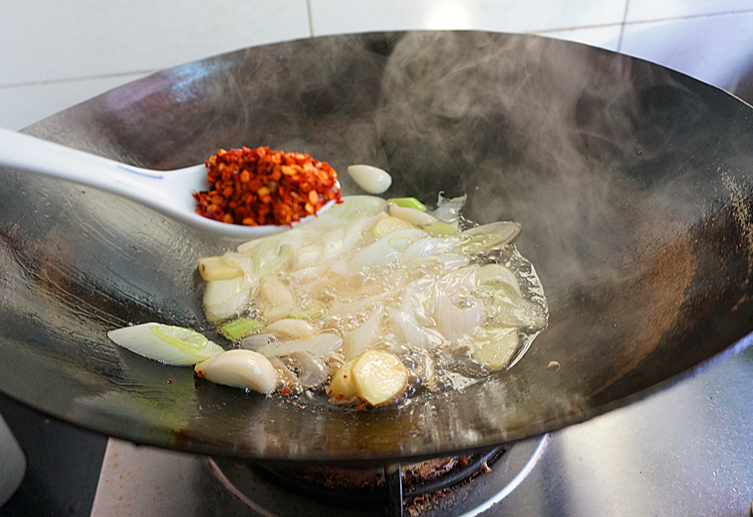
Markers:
(632, 184)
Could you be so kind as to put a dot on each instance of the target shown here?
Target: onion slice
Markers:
(165, 343)
(318, 346)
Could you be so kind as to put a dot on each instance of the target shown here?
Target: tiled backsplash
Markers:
(56, 54)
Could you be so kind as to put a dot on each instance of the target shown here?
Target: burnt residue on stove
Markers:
(424, 488)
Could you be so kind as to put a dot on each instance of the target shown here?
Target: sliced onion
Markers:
(355, 230)
(354, 207)
(358, 340)
(312, 371)
(333, 245)
(249, 247)
(224, 299)
(284, 374)
(385, 250)
(291, 328)
(412, 215)
(507, 229)
(308, 255)
(413, 332)
(246, 264)
(275, 300)
(459, 280)
(429, 246)
(497, 274)
(448, 210)
(452, 260)
(388, 225)
(165, 343)
(339, 307)
(418, 301)
(256, 341)
(318, 346)
(454, 322)
(240, 369)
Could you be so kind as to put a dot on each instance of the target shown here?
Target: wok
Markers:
(632, 182)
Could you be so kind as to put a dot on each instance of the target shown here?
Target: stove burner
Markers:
(466, 485)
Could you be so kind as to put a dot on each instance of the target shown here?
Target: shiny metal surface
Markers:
(632, 183)
(684, 451)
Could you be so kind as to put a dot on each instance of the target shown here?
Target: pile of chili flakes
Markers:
(263, 187)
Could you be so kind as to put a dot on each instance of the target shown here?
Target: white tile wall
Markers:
(648, 10)
(605, 36)
(338, 16)
(714, 49)
(46, 40)
(21, 106)
(55, 54)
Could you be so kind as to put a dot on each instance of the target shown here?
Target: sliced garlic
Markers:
(342, 388)
(379, 377)
(372, 179)
(240, 369)
(216, 268)
(494, 348)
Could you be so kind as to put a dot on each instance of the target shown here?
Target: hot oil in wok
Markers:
(438, 358)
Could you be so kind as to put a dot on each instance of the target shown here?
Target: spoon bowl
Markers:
(169, 192)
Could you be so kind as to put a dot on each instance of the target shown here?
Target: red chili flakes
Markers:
(259, 187)
(286, 391)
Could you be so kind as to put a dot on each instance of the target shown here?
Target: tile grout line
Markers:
(690, 17)
(622, 25)
(311, 20)
(641, 22)
(76, 79)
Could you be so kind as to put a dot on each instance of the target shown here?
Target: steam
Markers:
(530, 136)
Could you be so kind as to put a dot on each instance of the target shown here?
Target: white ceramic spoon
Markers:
(169, 192)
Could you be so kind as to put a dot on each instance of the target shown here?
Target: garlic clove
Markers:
(240, 369)
(372, 179)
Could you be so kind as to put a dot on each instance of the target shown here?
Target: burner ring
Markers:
(468, 499)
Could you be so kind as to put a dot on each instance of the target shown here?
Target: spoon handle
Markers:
(33, 154)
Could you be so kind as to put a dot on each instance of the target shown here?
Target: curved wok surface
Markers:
(633, 184)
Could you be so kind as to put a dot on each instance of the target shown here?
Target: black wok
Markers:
(633, 184)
